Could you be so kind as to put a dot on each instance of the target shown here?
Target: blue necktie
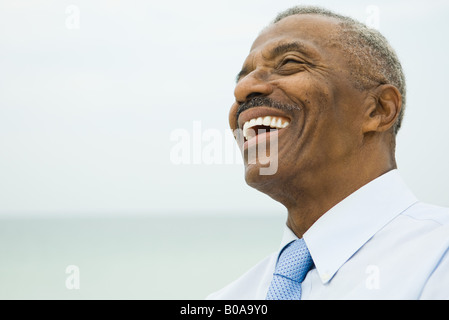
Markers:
(292, 266)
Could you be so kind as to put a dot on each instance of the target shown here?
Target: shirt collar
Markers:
(346, 227)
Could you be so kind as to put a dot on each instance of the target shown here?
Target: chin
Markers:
(261, 177)
(275, 186)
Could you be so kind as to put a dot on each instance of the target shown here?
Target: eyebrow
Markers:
(287, 47)
(278, 50)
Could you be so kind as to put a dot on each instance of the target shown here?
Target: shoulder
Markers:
(424, 212)
(419, 232)
(423, 220)
(438, 282)
(425, 224)
(249, 286)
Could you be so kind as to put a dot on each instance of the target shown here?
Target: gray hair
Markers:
(371, 57)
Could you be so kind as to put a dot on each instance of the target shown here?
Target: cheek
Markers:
(330, 126)
(339, 134)
(311, 91)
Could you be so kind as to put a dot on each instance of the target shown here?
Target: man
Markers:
(332, 94)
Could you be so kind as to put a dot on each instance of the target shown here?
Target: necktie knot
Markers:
(294, 261)
(293, 264)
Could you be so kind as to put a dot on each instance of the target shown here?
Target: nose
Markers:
(252, 85)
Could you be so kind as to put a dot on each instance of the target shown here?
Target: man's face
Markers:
(297, 63)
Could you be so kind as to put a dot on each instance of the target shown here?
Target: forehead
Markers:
(313, 31)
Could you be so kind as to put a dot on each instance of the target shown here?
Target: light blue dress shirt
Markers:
(378, 243)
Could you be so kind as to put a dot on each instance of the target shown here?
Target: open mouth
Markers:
(260, 125)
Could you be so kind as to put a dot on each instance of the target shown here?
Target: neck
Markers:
(321, 191)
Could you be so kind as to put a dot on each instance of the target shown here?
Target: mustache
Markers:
(265, 102)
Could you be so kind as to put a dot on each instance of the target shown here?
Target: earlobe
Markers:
(383, 110)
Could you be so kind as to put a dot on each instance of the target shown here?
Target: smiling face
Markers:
(298, 76)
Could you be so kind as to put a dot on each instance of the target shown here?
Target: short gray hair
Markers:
(371, 57)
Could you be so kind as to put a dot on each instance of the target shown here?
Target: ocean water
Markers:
(135, 257)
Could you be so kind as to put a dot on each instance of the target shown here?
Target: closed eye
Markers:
(287, 61)
(290, 66)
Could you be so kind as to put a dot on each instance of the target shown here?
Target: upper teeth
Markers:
(269, 121)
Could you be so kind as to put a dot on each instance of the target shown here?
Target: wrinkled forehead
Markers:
(317, 32)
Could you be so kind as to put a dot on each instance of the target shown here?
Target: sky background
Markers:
(87, 110)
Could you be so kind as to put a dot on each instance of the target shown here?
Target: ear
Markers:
(383, 109)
